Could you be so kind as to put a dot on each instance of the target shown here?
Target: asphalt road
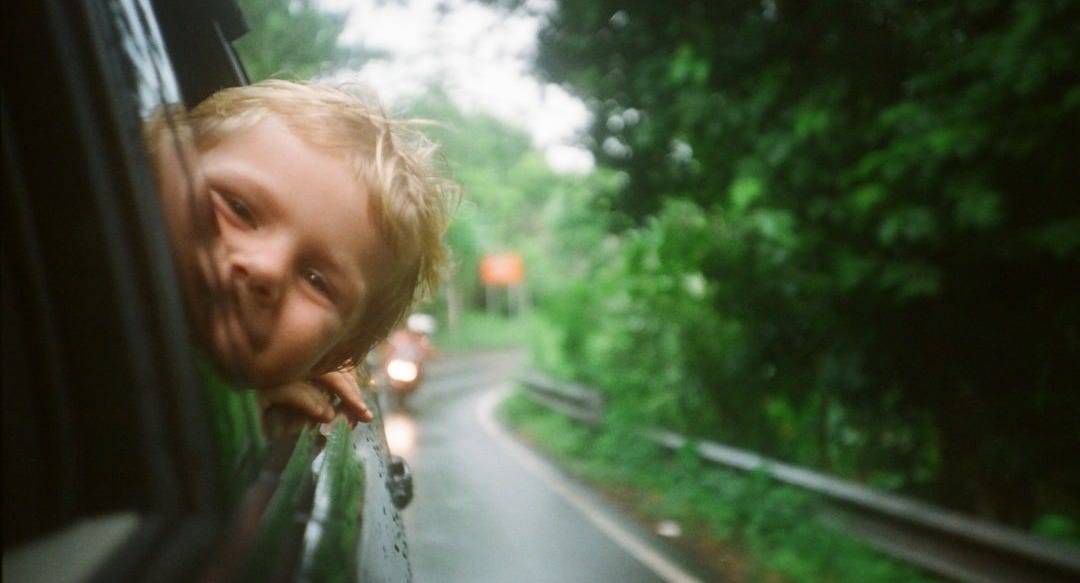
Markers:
(487, 509)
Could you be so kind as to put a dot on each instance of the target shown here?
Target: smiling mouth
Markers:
(239, 319)
(228, 336)
(251, 318)
(226, 327)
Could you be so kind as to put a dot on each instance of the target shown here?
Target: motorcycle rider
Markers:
(411, 344)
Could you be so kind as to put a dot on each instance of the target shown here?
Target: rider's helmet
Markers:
(421, 324)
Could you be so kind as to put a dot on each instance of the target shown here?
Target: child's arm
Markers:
(313, 397)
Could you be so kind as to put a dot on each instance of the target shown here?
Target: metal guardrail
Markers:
(950, 544)
(574, 401)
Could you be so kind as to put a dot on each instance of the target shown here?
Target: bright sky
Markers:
(483, 57)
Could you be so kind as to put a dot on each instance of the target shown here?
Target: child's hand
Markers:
(344, 384)
(314, 398)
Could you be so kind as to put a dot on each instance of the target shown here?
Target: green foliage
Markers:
(1057, 527)
(634, 322)
(481, 331)
(843, 233)
(512, 200)
(293, 39)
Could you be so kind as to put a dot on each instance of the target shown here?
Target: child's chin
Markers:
(246, 366)
(255, 374)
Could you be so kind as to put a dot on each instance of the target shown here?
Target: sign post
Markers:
(503, 271)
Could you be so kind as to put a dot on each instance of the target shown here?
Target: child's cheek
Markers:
(311, 331)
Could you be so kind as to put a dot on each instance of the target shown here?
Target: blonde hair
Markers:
(410, 200)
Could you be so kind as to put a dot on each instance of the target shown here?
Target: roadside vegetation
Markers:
(841, 234)
(745, 526)
(478, 331)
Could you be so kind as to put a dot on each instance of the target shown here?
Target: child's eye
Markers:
(317, 281)
(240, 209)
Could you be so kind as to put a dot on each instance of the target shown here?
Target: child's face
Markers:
(289, 244)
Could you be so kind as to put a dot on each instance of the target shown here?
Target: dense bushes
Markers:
(652, 327)
(847, 234)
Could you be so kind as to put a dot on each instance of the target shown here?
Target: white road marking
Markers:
(639, 549)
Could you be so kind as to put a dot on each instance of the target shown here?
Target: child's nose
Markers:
(261, 275)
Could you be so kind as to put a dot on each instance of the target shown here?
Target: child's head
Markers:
(312, 225)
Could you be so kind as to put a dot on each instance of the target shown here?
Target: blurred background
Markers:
(840, 234)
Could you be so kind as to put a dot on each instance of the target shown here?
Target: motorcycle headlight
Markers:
(402, 371)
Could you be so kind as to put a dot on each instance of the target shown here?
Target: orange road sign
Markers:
(502, 269)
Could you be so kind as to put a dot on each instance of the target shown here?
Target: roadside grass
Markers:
(481, 331)
(746, 526)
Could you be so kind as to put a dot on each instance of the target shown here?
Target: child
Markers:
(303, 225)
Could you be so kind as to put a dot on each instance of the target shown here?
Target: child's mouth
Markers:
(227, 324)
(229, 337)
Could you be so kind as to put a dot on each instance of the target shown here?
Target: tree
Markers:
(508, 189)
(293, 39)
(896, 227)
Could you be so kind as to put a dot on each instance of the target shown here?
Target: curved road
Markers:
(486, 509)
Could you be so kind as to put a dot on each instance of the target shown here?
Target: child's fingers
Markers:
(345, 385)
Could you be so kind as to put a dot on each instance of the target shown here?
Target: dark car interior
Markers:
(111, 457)
(103, 410)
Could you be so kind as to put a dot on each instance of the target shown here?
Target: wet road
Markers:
(486, 509)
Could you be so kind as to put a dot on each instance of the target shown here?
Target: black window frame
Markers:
(104, 409)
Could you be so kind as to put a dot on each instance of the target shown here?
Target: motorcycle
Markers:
(405, 354)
